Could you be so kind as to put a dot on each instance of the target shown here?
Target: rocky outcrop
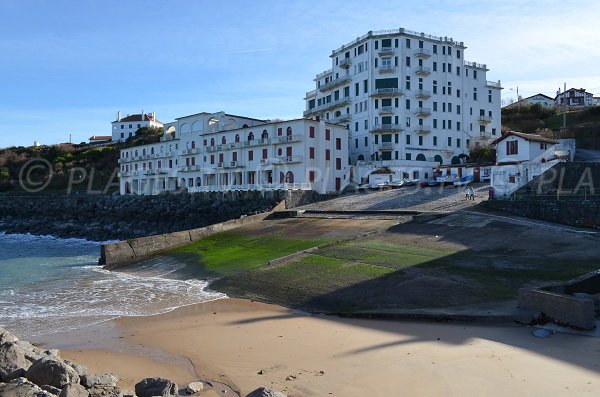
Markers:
(102, 218)
(21, 387)
(264, 392)
(53, 372)
(74, 390)
(151, 387)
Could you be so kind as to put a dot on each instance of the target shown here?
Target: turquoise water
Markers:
(49, 284)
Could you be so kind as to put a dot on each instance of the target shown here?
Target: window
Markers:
(366, 141)
(457, 109)
(212, 159)
(475, 74)
(434, 123)
(122, 126)
(366, 124)
(512, 147)
(311, 152)
(250, 155)
(327, 154)
(474, 94)
(408, 140)
(458, 70)
(265, 153)
(327, 135)
(435, 141)
(490, 96)
(385, 62)
(408, 121)
(458, 54)
(420, 43)
(457, 142)
(407, 43)
(458, 126)
(420, 140)
(449, 141)
(408, 104)
(408, 156)
(356, 143)
(356, 89)
(311, 132)
(435, 66)
(338, 163)
(458, 93)
(356, 126)
(435, 48)
(408, 61)
(366, 86)
(493, 131)
(408, 82)
(311, 176)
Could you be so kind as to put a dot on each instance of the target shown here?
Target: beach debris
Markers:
(51, 371)
(194, 387)
(291, 377)
(74, 390)
(264, 392)
(22, 387)
(541, 333)
(261, 372)
(320, 373)
(151, 387)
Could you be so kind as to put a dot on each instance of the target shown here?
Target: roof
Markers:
(137, 117)
(382, 171)
(527, 137)
(100, 138)
(226, 114)
(540, 94)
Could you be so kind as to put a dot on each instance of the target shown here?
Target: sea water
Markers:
(49, 285)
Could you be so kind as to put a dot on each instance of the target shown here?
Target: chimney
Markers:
(143, 118)
(118, 116)
(153, 116)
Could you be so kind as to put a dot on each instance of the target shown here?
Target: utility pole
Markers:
(565, 107)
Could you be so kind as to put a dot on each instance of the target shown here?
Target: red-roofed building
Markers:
(123, 128)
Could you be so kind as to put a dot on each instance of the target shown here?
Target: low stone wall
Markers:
(564, 309)
(115, 255)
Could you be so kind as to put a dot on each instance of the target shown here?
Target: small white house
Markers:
(518, 147)
(126, 127)
(537, 99)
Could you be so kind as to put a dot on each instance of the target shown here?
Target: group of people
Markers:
(469, 193)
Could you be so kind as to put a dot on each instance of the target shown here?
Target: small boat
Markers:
(433, 182)
(465, 180)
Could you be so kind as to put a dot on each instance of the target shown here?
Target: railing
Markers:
(476, 65)
(494, 84)
(344, 118)
(264, 161)
(422, 53)
(311, 94)
(290, 138)
(190, 168)
(422, 70)
(386, 69)
(386, 128)
(334, 83)
(386, 145)
(287, 159)
(423, 94)
(331, 105)
(422, 111)
(345, 63)
(386, 109)
(422, 129)
(485, 119)
(250, 187)
(233, 164)
(386, 50)
(323, 74)
(387, 92)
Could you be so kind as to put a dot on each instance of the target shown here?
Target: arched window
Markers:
(193, 144)
(281, 177)
(438, 159)
(288, 131)
(265, 135)
(289, 177)
(237, 138)
(223, 140)
(245, 126)
(251, 136)
(361, 157)
(338, 113)
(455, 160)
(421, 157)
(144, 152)
(212, 141)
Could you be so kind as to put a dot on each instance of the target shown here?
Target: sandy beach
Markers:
(246, 344)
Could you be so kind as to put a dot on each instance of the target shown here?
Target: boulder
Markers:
(7, 337)
(33, 353)
(74, 390)
(194, 387)
(151, 387)
(21, 387)
(80, 369)
(105, 391)
(12, 362)
(51, 389)
(264, 392)
(51, 371)
(89, 380)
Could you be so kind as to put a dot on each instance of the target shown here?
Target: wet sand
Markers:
(246, 345)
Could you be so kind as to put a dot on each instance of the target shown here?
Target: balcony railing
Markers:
(287, 159)
(386, 128)
(386, 110)
(423, 71)
(386, 51)
(485, 119)
(232, 164)
(422, 111)
(249, 187)
(290, 138)
(422, 129)
(345, 63)
(422, 53)
(386, 146)
(334, 83)
(344, 118)
(383, 92)
(386, 69)
(423, 94)
(494, 84)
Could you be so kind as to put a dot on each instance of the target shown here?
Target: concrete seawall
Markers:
(115, 255)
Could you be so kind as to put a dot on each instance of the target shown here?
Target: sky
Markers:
(67, 67)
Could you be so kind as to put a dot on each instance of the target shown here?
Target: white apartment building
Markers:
(407, 96)
(218, 152)
(126, 127)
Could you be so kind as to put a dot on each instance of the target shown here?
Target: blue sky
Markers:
(68, 66)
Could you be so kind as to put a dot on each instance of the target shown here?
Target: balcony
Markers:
(423, 112)
(190, 168)
(311, 94)
(264, 161)
(423, 71)
(290, 138)
(422, 129)
(386, 92)
(334, 83)
(190, 151)
(258, 142)
(422, 53)
(485, 119)
(287, 159)
(346, 63)
(381, 128)
(494, 84)
(327, 106)
(386, 146)
(423, 94)
(386, 69)
(386, 51)
(386, 110)
(232, 164)
(344, 118)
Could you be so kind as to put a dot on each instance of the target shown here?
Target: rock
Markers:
(151, 387)
(7, 337)
(105, 391)
(264, 392)
(31, 352)
(74, 390)
(12, 362)
(21, 387)
(51, 389)
(194, 387)
(53, 372)
(80, 369)
(89, 380)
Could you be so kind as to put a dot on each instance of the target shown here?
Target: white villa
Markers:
(126, 127)
(407, 96)
(218, 152)
(538, 99)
